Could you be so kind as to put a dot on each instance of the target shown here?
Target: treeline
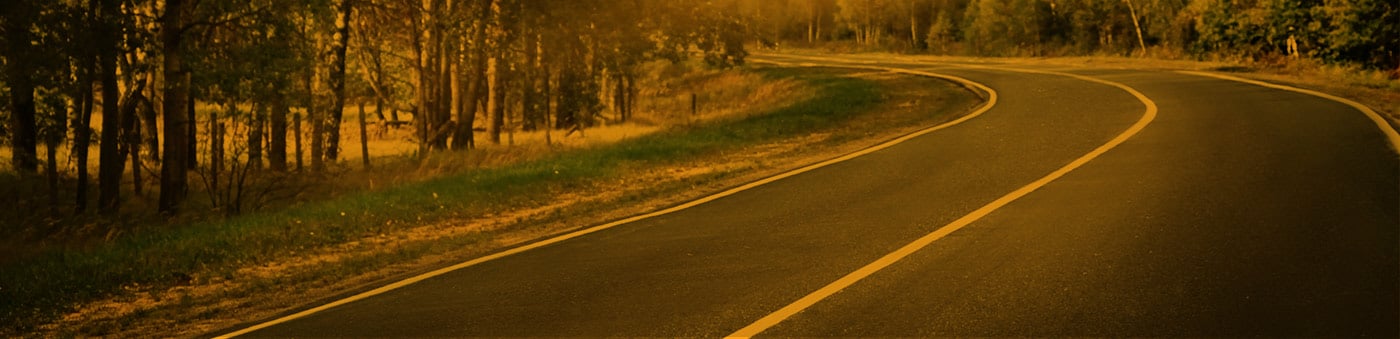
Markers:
(1362, 32)
(211, 91)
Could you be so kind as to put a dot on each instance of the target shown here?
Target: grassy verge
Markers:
(326, 247)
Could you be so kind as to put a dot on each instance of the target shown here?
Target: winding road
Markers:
(1077, 202)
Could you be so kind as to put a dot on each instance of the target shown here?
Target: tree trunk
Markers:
(494, 95)
(375, 71)
(379, 108)
(812, 22)
(277, 147)
(631, 102)
(1141, 44)
(173, 168)
(51, 169)
(193, 126)
(82, 138)
(148, 121)
(529, 86)
(137, 184)
(132, 133)
(255, 136)
(131, 130)
(466, 104)
(617, 98)
(110, 161)
(318, 123)
(23, 130)
(913, 26)
(420, 83)
(476, 106)
(444, 102)
(537, 80)
(216, 156)
(52, 140)
(364, 137)
(547, 92)
(466, 115)
(296, 134)
(337, 79)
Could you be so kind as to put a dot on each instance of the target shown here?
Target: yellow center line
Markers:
(889, 259)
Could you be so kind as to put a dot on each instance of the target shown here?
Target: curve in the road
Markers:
(1390, 132)
(990, 97)
(1149, 114)
(1243, 210)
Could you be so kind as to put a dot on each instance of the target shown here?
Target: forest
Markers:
(230, 97)
(236, 91)
(1357, 32)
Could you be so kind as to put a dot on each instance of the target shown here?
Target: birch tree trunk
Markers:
(176, 153)
(340, 42)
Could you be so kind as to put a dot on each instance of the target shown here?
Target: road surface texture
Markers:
(1217, 208)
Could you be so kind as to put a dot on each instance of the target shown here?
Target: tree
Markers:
(1137, 26)
(18, 55)
(519, 64)
(864, 17)
(944, 29)
(499, 34)
(473, 63)
(173, 176)
(1363, 31)
(340, 42)
(110, 163)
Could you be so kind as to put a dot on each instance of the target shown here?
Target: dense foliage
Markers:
(1363, 32)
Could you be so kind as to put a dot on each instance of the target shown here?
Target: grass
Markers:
(46, 285)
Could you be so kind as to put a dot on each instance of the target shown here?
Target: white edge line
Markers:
(1149, 114)
(1390, 133)
(991, 101)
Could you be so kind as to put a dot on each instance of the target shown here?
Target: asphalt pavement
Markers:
(1239, 210)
